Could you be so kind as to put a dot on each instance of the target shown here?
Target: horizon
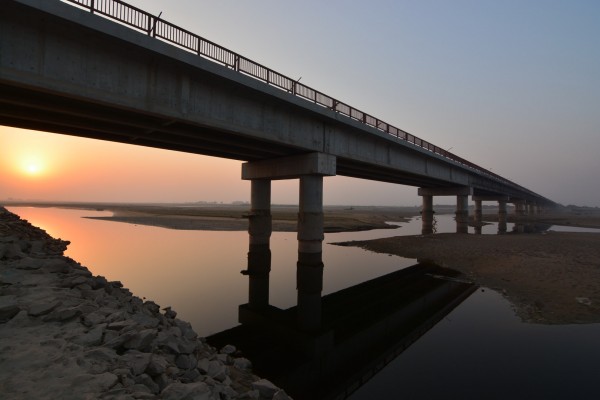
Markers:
(454, 76)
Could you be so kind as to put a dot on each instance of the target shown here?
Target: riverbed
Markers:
(481, 349)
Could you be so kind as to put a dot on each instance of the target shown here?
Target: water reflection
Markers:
(363, 328)
(198, 272)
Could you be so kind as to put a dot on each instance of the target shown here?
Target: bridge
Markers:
(106, 70)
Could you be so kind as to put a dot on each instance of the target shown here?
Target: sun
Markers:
(32, 168)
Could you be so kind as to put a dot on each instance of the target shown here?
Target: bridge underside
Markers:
(67, 71)
(45, 111)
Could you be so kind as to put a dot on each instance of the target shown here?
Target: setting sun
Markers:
(33, 169)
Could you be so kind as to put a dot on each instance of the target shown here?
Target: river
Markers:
(477, 349)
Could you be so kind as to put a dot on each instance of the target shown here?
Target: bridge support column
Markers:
(310, 168)
(462, 214)
(502, 216)
(259, 254)
(462, 194)
(309, 272)
(502, 200)
(519, 208)
(427, 215)
(530, 208)
(478, 216)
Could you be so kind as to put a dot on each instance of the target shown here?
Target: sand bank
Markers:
(550, 278)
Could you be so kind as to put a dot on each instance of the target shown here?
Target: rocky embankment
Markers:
(67, 334)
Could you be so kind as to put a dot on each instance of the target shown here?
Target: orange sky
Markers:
(47, 166)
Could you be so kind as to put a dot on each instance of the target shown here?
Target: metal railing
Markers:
(140, 20)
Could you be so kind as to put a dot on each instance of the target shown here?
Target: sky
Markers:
(512, 85)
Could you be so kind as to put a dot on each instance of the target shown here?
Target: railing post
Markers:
(92, 5)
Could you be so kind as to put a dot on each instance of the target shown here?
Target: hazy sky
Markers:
(513, 86)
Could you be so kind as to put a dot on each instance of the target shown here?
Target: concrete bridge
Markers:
(105, 70)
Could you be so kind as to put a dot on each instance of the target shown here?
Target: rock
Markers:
(228, 349)
(98, 383)
(217, 370)
(93, 318)
(224, 358)
(57, 265)
(157, 365)
(190, 391)
(265, 387)
(38, 309)
(136, 361)
(115, 342)
(242, 363)
(186, 361)
(187, 346)
(147, 381)
(281, 395)
(186, 329)
(101, 354)
(224, 392)
(63, 314)
(141, 340)
(170, 314)
(121, 325)
(151, 307)
(203, 365)
(91, 338)
(8, 311)
(145, 320)
(190, 375)
(162, 381)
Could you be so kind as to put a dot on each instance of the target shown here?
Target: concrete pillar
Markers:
(462, 214)
(462, 194)
(259, 254)
(310, 168)
(478, 217)
(501, 216)
(427, 215)
(309, 272)
(519, 208)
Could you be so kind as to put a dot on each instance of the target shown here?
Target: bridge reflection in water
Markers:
(363, 328)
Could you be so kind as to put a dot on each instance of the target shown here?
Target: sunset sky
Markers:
(513, 86)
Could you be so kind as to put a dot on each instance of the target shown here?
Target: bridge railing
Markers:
(143, 21)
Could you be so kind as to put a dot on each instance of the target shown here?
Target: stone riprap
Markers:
(65, 333)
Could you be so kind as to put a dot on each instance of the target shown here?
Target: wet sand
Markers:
(234, 217)
(551, 278)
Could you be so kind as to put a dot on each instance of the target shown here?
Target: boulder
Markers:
(8, 311)
(92, 337)
(189, 391)
(265, 387)
(136, 361)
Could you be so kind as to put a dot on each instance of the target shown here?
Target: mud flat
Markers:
(66, 334)
(234, 217)
(551, 278)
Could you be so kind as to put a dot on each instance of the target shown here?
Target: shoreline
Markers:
(550, 278)
(68, 334)
(234, 217)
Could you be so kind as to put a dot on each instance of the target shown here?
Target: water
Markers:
(479, 349)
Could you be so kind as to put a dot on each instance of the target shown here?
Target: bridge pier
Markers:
(502, 200)
(427, 215)
(259, 254)
(462, 194)
(502, 215)
(478, 215)
(310, 169)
